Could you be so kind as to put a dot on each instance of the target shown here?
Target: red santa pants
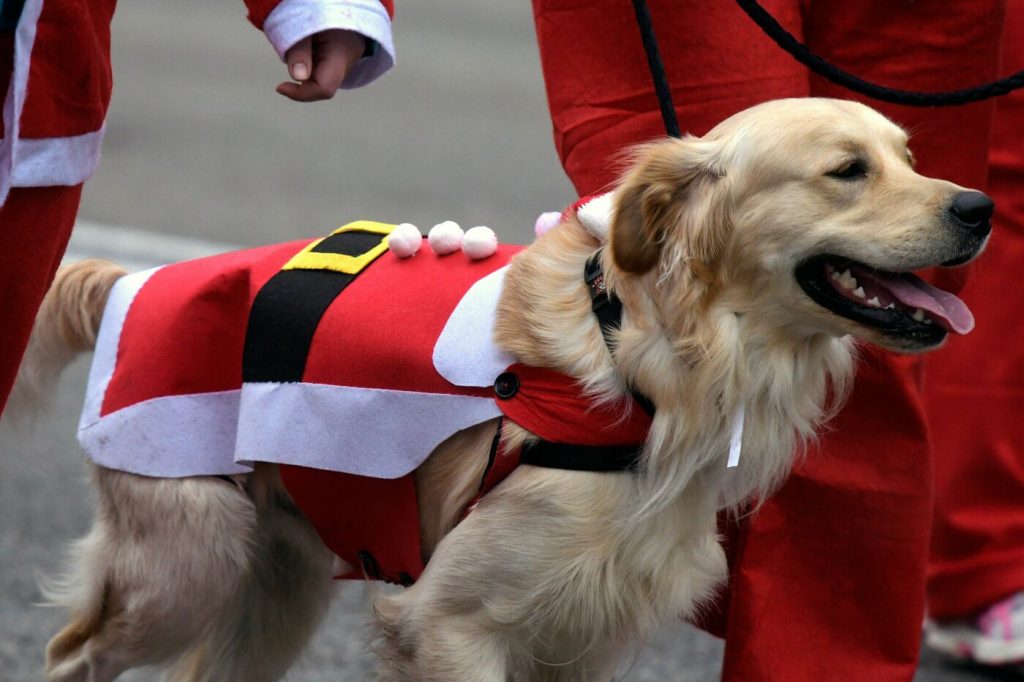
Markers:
(975, 391)
(828, 579)
(35, 224)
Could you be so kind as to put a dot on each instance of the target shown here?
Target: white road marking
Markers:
(134, 248)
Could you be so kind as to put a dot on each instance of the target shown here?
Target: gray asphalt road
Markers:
(200, 147)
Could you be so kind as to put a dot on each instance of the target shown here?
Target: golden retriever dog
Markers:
(748, 262)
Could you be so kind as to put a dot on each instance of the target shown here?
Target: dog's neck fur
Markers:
(696, 359)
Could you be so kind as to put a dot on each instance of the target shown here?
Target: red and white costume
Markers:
(408, 338)
(56, 82)
(401, 359)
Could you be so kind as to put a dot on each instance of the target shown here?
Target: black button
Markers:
(506, 385)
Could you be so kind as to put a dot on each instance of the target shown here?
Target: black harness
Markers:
(608, 309)
(606, 458)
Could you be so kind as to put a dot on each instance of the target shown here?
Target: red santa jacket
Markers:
(342, 363)
(59, 87)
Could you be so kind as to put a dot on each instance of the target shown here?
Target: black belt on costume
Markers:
(289, 307)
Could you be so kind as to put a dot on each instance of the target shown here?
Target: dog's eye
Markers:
(851, 170)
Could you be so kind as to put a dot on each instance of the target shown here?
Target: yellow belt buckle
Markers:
(308, 259)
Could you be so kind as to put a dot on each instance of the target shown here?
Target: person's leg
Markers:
(975, 395)
(830, 581)
(35, 224)
(833, 523)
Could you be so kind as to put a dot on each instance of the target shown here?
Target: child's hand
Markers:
(319, 64)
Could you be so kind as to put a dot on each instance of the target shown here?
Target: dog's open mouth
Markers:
(898, 304)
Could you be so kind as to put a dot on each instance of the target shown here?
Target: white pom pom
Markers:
(405, 240)
(479, 242)
(445, 237)
(545, 221)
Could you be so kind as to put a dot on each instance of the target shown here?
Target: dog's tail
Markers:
(65, 326)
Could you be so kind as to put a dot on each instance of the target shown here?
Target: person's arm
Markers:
(327, 44)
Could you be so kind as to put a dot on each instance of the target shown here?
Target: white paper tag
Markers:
(736, 441)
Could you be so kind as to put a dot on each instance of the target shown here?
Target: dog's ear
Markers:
(666, 196)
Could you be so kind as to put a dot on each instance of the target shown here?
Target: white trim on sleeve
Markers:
(38, 162)
(14, 99)
(51, 161)
(293, 20)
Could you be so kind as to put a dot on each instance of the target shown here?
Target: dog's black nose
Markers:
(973, 211)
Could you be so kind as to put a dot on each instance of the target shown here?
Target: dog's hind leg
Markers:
(280, 603)
(163, 562)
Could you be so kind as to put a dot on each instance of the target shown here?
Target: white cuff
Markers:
(293, 20)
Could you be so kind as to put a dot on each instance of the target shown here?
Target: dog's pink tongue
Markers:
(913, 292)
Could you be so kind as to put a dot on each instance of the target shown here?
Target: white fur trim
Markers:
(293, 20)
(479, 242)
(14, 101)
(181, 435)
(314, 425)
(445, 237)
(405, 240)
(56, 160)
(596, 215)
(105, 358)
(465, 353)
(41, 162)
(399, 429)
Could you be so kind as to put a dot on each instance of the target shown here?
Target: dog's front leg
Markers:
(422, 645)
(515, 591)
(447, 627)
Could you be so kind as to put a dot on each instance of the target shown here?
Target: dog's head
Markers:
(808, 214)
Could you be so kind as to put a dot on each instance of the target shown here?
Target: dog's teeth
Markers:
(859, 292)
(847, 281)
(918, 315)
(874, 302)
(891, 306)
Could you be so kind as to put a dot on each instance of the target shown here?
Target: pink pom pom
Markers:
(479, 242)
(405, 240)
(445, 237)
(545, 221)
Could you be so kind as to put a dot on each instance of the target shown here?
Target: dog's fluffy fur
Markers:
(555, 574)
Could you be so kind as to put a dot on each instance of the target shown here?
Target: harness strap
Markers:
(600, 458)
(608, 309)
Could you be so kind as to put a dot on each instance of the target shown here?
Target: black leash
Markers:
(822, 67)
(657, 67)
(767, 23)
